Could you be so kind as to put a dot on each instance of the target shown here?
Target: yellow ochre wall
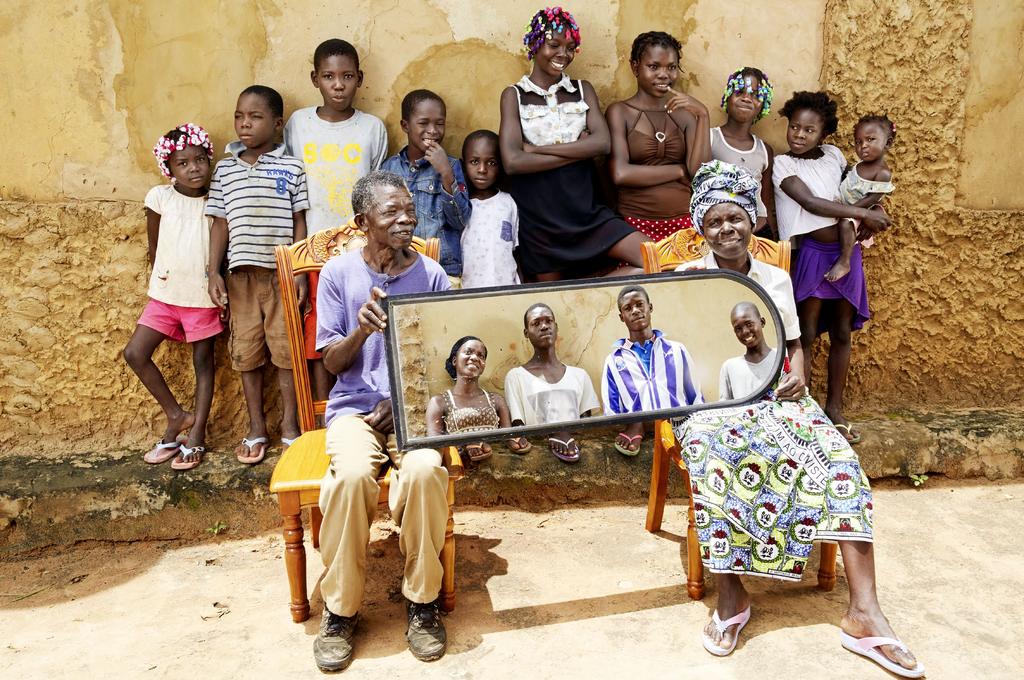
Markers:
(88, 87)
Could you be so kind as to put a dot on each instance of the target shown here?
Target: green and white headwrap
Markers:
(717, 182)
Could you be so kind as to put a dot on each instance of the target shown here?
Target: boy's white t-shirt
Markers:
(535, 401)
(821, 175)
(488, 241)
(335, 156)
(182, 248)
(739, 378)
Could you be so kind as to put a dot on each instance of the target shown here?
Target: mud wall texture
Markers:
(72, 237)
(942, 283)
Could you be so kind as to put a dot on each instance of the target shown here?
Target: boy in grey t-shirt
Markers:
(338, 144)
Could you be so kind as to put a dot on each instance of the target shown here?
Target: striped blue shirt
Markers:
(628, 386)
(259, 202)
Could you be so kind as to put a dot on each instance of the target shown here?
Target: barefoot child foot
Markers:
(840, 269)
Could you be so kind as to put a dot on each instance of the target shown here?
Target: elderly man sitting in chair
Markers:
(360, 429)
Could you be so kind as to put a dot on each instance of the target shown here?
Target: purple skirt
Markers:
(813, 259)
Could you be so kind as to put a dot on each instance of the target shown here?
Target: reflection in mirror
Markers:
(490, 364)
(742, 376)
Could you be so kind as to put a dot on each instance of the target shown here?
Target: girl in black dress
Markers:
(551, 130)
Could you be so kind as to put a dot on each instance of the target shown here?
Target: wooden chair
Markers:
(666, 255)
(297, 475)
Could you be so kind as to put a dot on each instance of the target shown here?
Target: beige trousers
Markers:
(348, 500)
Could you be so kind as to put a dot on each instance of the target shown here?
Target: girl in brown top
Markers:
(467, 407)
(659, 139)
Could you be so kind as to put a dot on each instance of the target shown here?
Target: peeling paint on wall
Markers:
(72, 240)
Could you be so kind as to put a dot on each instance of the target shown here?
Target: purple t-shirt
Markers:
(345, 283)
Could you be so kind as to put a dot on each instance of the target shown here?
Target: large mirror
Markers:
(635, 349)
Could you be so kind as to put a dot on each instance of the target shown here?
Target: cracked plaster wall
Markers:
(89, 87)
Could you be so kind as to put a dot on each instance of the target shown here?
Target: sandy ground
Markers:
(576, 593)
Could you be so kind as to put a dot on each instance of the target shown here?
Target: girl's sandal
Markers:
(244, 452)
(849, 435)
(567, 451)
(188, 458)
(477, 453)
(519, 445)
(161, 453)
(626, 450)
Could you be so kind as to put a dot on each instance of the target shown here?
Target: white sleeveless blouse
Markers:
(552, 122)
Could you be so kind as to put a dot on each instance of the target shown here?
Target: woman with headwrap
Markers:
(467, 407)
(771, 478)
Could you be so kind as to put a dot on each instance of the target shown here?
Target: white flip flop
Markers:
(723, 626)
(868, 647)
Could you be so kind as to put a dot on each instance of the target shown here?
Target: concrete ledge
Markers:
(47, 502)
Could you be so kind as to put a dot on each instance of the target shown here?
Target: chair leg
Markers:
(448, 556)
(827, 567)
(694, 566)
(659, 484)
(315, 519)
(294, 554)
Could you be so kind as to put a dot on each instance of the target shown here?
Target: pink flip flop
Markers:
(723, 626)
(161, 453)
(196, 452)
(868, 648)
(247, 446)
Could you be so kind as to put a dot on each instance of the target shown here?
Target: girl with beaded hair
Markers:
(179, 306)
(746, 100)
(551, 130)
(659, 139)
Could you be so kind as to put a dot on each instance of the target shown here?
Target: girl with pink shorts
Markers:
(179, 306)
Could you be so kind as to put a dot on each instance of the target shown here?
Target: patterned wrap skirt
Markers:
(767, 481)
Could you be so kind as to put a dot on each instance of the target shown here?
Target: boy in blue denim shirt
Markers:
(435, 179)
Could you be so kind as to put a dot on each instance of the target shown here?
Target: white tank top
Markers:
(755, 161)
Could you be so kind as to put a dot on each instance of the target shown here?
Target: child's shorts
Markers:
(257, 319)
(181, 324)
(309, 320)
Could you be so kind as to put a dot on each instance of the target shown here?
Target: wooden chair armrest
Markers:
(649, 252)
(663, 429)
(453, 461)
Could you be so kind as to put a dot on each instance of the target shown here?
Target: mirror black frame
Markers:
(405, 442)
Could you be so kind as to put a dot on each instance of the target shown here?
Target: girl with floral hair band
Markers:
(179, 306)
(551, 130)
(747, 98)
(186, 134)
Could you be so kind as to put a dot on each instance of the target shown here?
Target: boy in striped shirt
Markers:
(645, 371)
(258, 201)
